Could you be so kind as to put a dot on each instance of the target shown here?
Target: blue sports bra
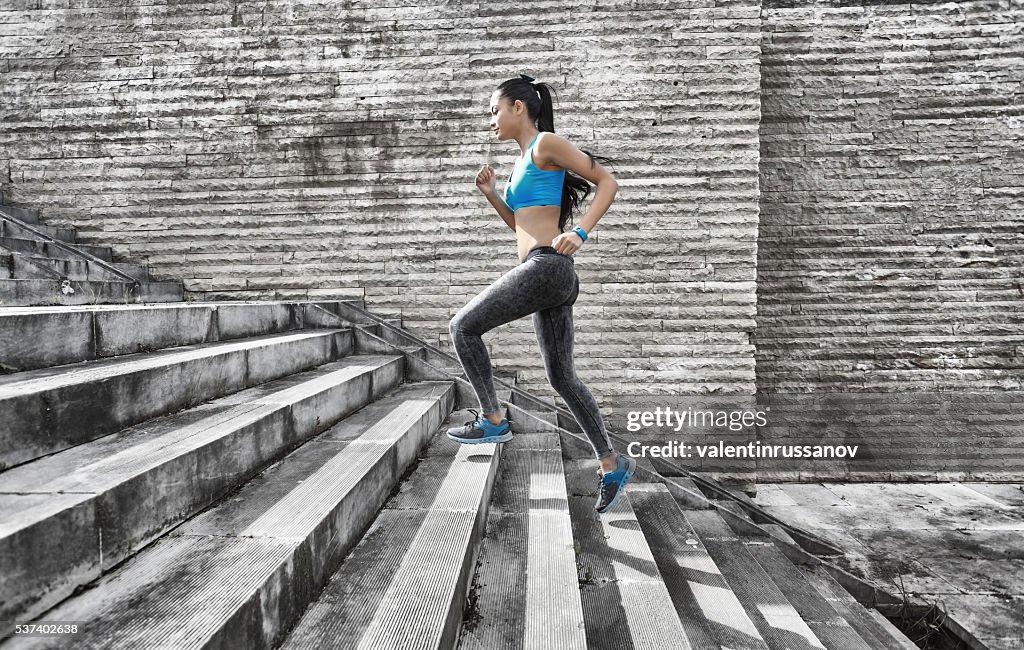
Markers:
(528, 184)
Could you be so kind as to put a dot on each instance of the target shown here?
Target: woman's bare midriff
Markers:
(536, 225)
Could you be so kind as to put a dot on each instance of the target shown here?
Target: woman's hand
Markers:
(567, 243)
(485, 180)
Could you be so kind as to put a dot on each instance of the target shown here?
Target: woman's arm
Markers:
(553, 149)
(485, 183)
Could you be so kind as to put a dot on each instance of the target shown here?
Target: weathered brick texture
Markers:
(891, 239)
(306, 150)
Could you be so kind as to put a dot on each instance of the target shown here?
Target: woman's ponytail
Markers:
(546, 116)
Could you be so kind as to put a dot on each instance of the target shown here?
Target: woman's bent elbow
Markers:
(610, 182)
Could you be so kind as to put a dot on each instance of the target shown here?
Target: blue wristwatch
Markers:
(581, 232)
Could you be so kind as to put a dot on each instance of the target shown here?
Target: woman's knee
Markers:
(460, 325)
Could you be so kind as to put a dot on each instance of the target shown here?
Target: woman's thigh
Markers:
(539, 283)
(555, 333)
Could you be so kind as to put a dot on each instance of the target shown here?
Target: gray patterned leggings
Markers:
(545, 285)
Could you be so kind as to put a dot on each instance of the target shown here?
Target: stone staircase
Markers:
(42, 265)
(275, 475)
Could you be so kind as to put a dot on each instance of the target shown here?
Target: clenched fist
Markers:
(485, 180)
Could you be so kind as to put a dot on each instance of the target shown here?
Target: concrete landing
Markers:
(957, 544)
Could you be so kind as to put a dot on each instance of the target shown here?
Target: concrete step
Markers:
(10, 228)
(27, 267)
(405, 583)
(39, 337)
(28, 215)
(37, 248)
(831, 628)
(710, 611)
(526, 592)
(47, 410)
(240, 574)
(875, 632)
(776, 619)
(21, 293)
(79, 269)
(890, 636)
(625, 601)
(838, 625)
(375, 337)
(114, 495)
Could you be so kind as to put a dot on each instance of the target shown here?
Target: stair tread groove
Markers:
(625, 601)
(857, 615)
(142, 605)
(384, 597)
(289, 497)
(709, 609)
(812, 606)
(778, 621)
(529, 533)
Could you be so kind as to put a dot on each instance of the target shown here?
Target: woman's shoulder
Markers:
(545, 145)
(549, 138)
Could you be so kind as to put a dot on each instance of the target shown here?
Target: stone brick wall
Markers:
(891, 239)
(845, 177)
(304, 150)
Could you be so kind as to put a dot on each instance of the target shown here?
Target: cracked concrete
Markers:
(958, 544)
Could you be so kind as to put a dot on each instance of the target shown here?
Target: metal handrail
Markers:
(70, 248)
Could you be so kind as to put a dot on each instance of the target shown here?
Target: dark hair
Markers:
(536, 96)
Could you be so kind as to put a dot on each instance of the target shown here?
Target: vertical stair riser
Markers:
(431, 356)
(454, 620)
(331, 541)
(9, 228)
(43, 563)
(18, 293)
(267, 363)
(138, 271)
(135, 330)
(72, 269)
(128, 332)
(264, 620)
(315, 316)
(144, 508)
(32, 425)
(36, 248)
(39, 340)
(368, 343)
(28, 215)
(240, 321)
(30, 341)
(419, 370)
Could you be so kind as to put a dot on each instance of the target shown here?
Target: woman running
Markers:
(547, 184)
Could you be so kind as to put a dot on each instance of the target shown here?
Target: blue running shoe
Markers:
(481, 430)
(611, 486)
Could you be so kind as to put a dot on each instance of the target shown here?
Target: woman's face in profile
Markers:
(502, 116)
